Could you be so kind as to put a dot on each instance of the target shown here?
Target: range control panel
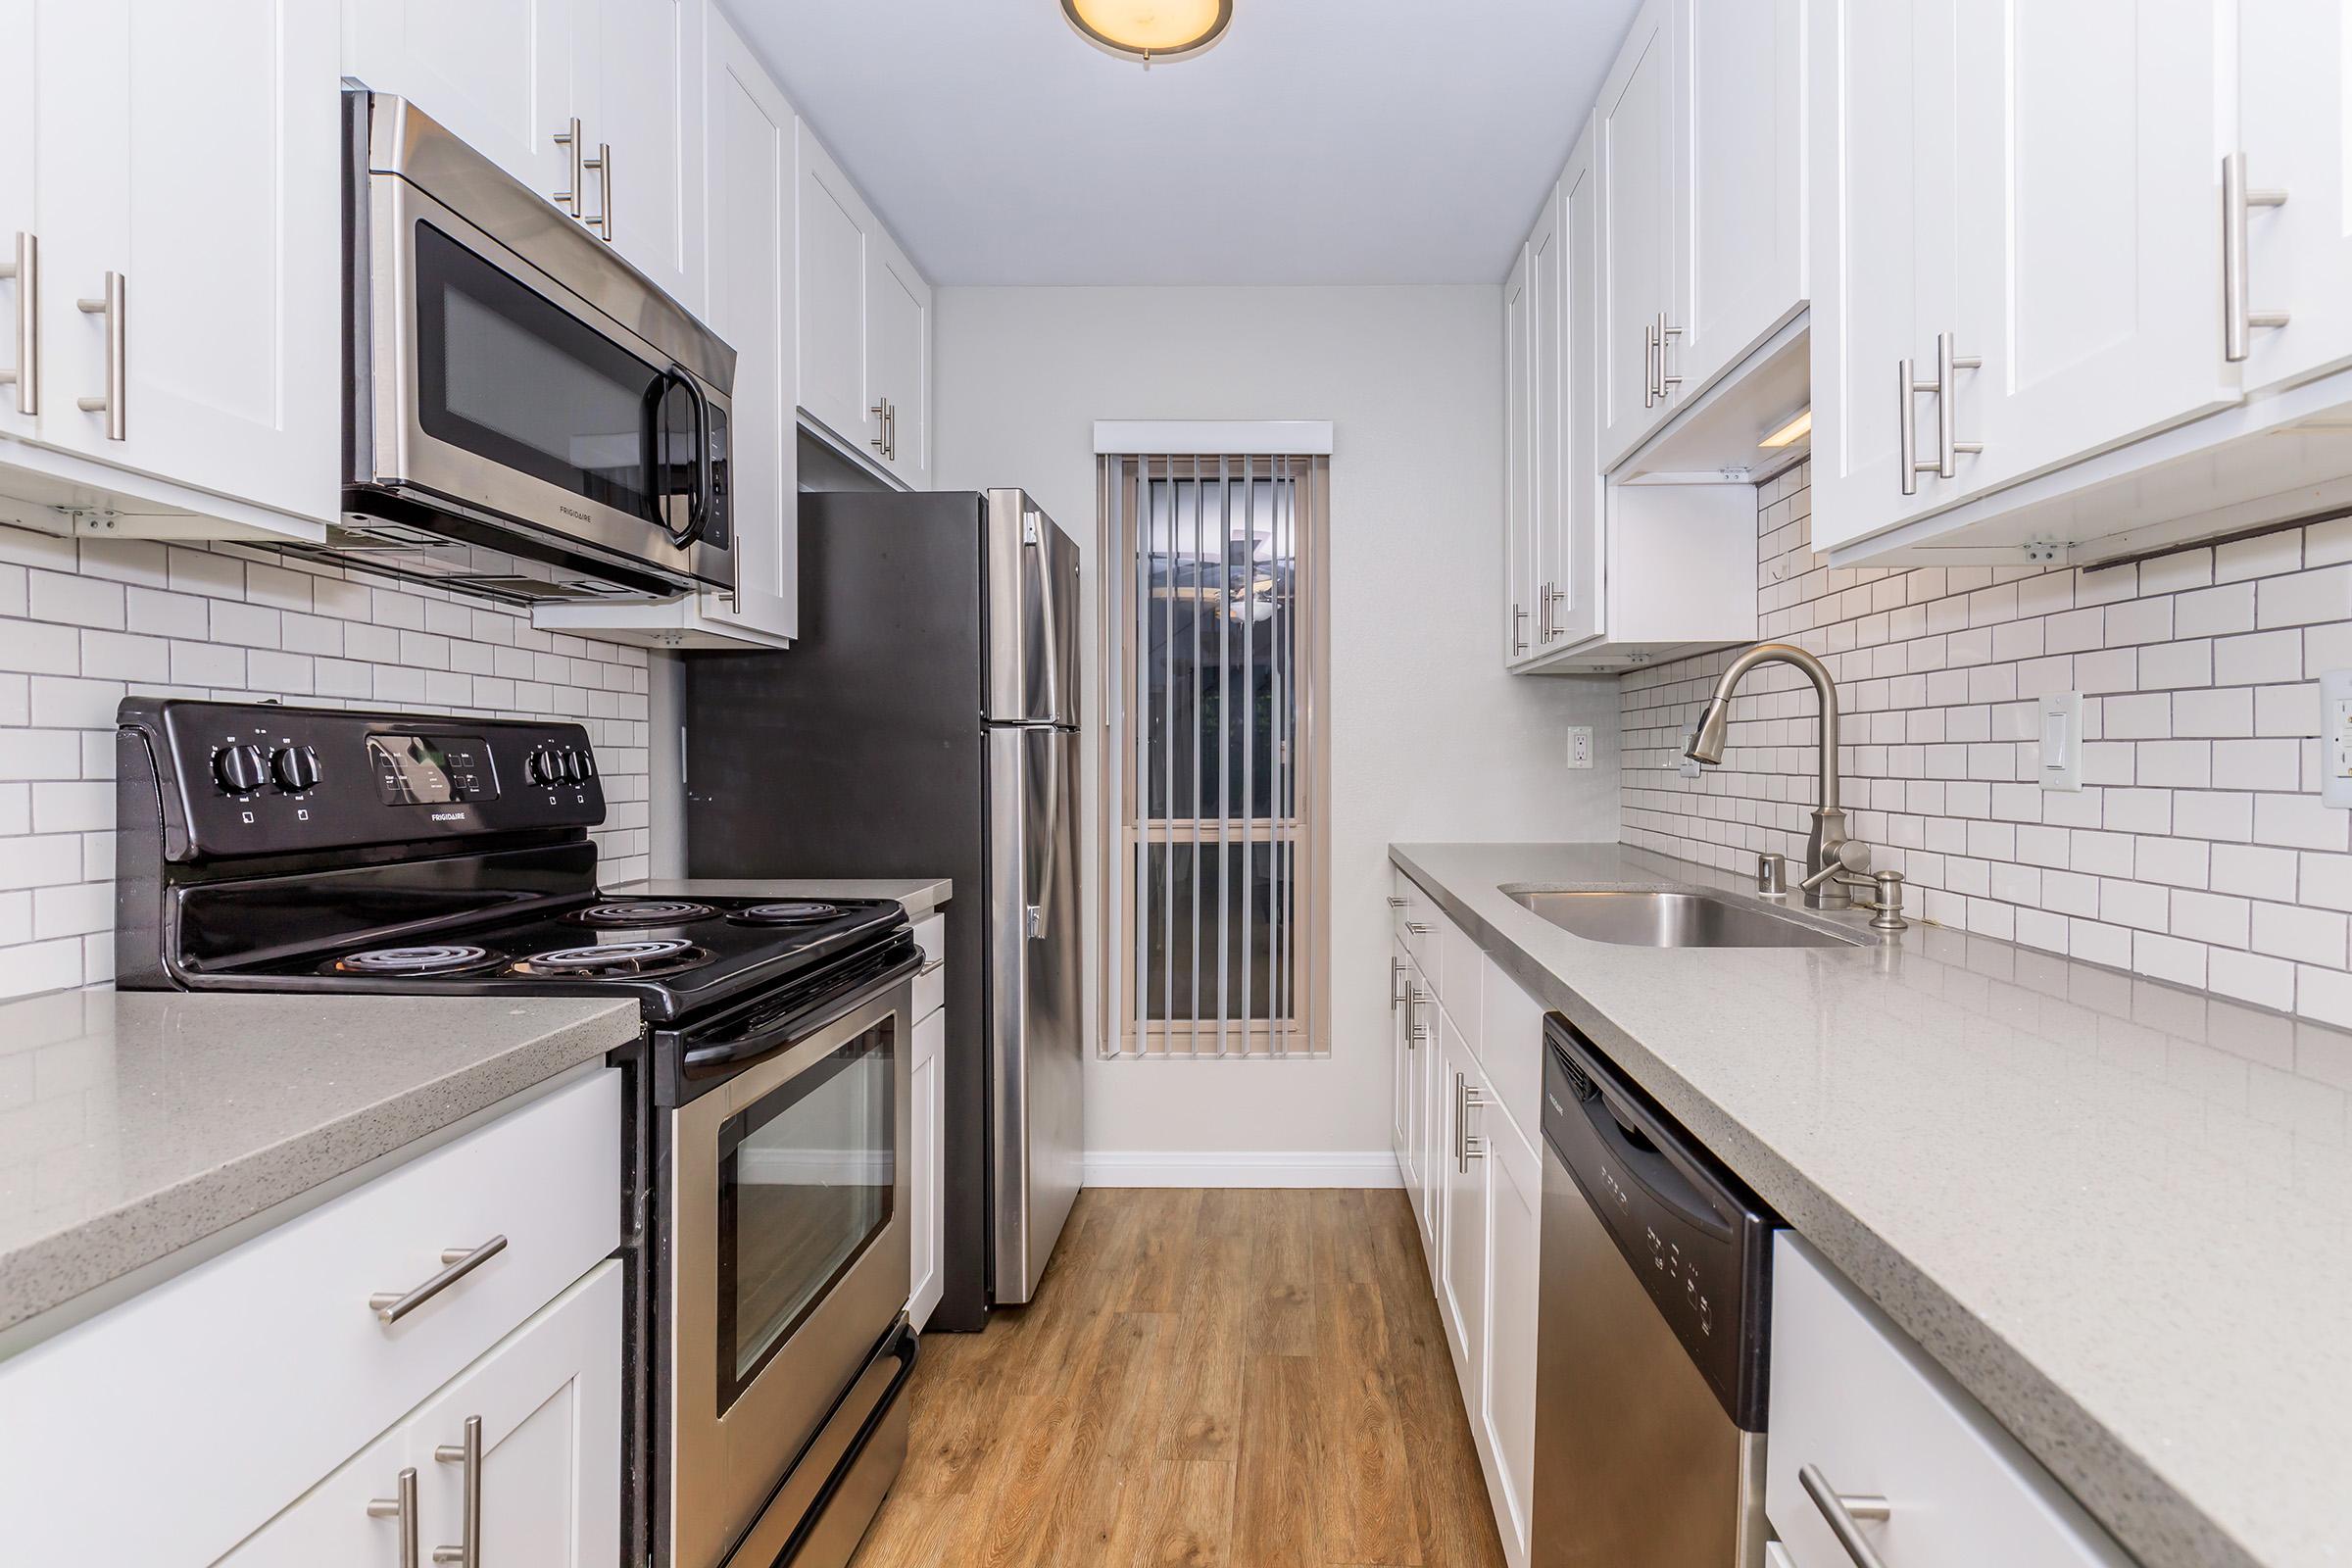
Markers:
(253, 778)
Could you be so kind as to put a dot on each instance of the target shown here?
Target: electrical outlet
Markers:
(1579, 746)
(2336, 738)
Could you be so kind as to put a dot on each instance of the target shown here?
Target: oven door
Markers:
(498, 396)
(788, 1260)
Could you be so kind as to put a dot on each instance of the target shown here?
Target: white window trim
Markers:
(1208, 438)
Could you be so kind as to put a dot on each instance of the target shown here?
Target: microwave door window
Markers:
(510, 376)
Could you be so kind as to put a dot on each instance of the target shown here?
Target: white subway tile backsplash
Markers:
(82, 623)
(2198, 851)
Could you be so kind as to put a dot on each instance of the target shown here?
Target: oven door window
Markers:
(806, 1179)
(506, 374)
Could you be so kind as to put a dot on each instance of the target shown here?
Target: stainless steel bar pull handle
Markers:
(469, 1454)
(573, 144)
(1417, 928)
(1947, 402)
(2238, 318)
(1842, 1513)
(1415, 1000)
(1518, 639)
(1906, 445)
(1395, 980)
(1553, 599)
(1542, 613)
(390, 1306)
(1666, 383)
(602, 163)
(26, 373)
(401, 1507)
(1649, 367)
(880, 439)
(1474, 1145)
(112, 307)
(1395, 902)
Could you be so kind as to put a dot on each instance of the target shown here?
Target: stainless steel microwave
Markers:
(527, 415)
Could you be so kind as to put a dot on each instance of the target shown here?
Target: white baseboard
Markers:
(1215, 1167)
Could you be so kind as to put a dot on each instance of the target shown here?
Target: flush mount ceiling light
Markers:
(1150, 29)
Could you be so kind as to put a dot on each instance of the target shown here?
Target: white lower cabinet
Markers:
(548, 1400)
(1859, 1410)
(1468, 1044)
(229, 1399)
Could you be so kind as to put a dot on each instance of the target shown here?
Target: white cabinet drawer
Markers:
(1513, 1049)
(1854, 1399)
(931, 985)
(1461, 979)
(1415, 922)
(223, 1394)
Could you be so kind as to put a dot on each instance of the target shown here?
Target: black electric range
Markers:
(271, 848)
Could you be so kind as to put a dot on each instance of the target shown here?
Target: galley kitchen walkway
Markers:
(1224, 1379)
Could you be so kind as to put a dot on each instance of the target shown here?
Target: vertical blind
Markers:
(1214, 938)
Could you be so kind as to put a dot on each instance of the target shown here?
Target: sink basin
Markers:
(1673, 920)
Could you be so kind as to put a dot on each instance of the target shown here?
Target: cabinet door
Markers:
(1518, 478)
(495, 72)
(2295, 126)
(1739, 180)
(1400, 1062)
(1416, 1021)
(639, 69)
(1514, 1189)
(1884, 180)
(1548, 380)
(926, 1170)
(835, 232)
(548, 1397)
(2089, 234)
(1463, 1248)
(751, 216)
(1571, 548)
(21, 58)
(221, 222)
(1634, 147)
(898, 356)
(1430, 1125)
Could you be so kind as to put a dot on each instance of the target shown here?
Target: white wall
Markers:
(1429, 738)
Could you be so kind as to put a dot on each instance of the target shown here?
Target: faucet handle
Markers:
(1848, 857)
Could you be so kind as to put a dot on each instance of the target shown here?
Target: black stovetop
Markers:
(677, 956)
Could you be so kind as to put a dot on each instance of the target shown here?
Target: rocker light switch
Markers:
(2062, 741)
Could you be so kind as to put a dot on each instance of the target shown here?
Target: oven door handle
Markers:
(740, 1050)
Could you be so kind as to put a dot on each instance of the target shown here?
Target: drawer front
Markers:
(1462, 978)
(1854, 1399)
(931, 984)
(221, 1394)
(1417, 924)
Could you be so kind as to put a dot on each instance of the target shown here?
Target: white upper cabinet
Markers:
(2295, 135)
(1886, 185)
(1634, 146)
(898, 358)
(1518, 479)
(1739, 256)
(1699, 152)
(496, 74)
(836, 233)
(1547, 382)
(182, 345)
(2088, 261)
(865, 327)
(638, 75)
(1568, 543)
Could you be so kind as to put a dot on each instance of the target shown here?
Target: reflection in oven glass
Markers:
(806, 1183)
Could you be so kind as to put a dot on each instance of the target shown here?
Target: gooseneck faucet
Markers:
(1829, 853)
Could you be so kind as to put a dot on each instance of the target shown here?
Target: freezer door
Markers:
(1036, 1019)
(1031, 570)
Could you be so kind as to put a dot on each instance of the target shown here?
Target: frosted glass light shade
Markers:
(1150, 30)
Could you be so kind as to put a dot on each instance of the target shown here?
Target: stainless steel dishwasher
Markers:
(1652, 1333)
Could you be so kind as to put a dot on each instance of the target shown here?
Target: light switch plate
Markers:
(1579, 746)
(2061, 739)
(2336, 738)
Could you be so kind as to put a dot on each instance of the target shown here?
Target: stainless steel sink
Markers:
(1655, 919)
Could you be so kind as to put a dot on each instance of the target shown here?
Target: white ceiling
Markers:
(1320, 141)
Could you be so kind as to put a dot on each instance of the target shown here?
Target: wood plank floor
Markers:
(1220, 1379)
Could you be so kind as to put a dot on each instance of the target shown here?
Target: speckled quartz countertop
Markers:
(2118, 1212)
(134, 1125)
(919, 895)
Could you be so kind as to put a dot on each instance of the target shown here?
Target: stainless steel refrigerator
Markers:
(926, 724)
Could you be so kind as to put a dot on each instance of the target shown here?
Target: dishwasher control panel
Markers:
(1698, 1238)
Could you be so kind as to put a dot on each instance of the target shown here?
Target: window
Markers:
(1213, 785)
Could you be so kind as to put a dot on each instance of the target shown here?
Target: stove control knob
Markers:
(240, 770)
(540, 767)
(587, 762)
(568, 766)
(296, 769)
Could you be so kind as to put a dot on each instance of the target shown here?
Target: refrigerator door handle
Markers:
(1033, 537)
